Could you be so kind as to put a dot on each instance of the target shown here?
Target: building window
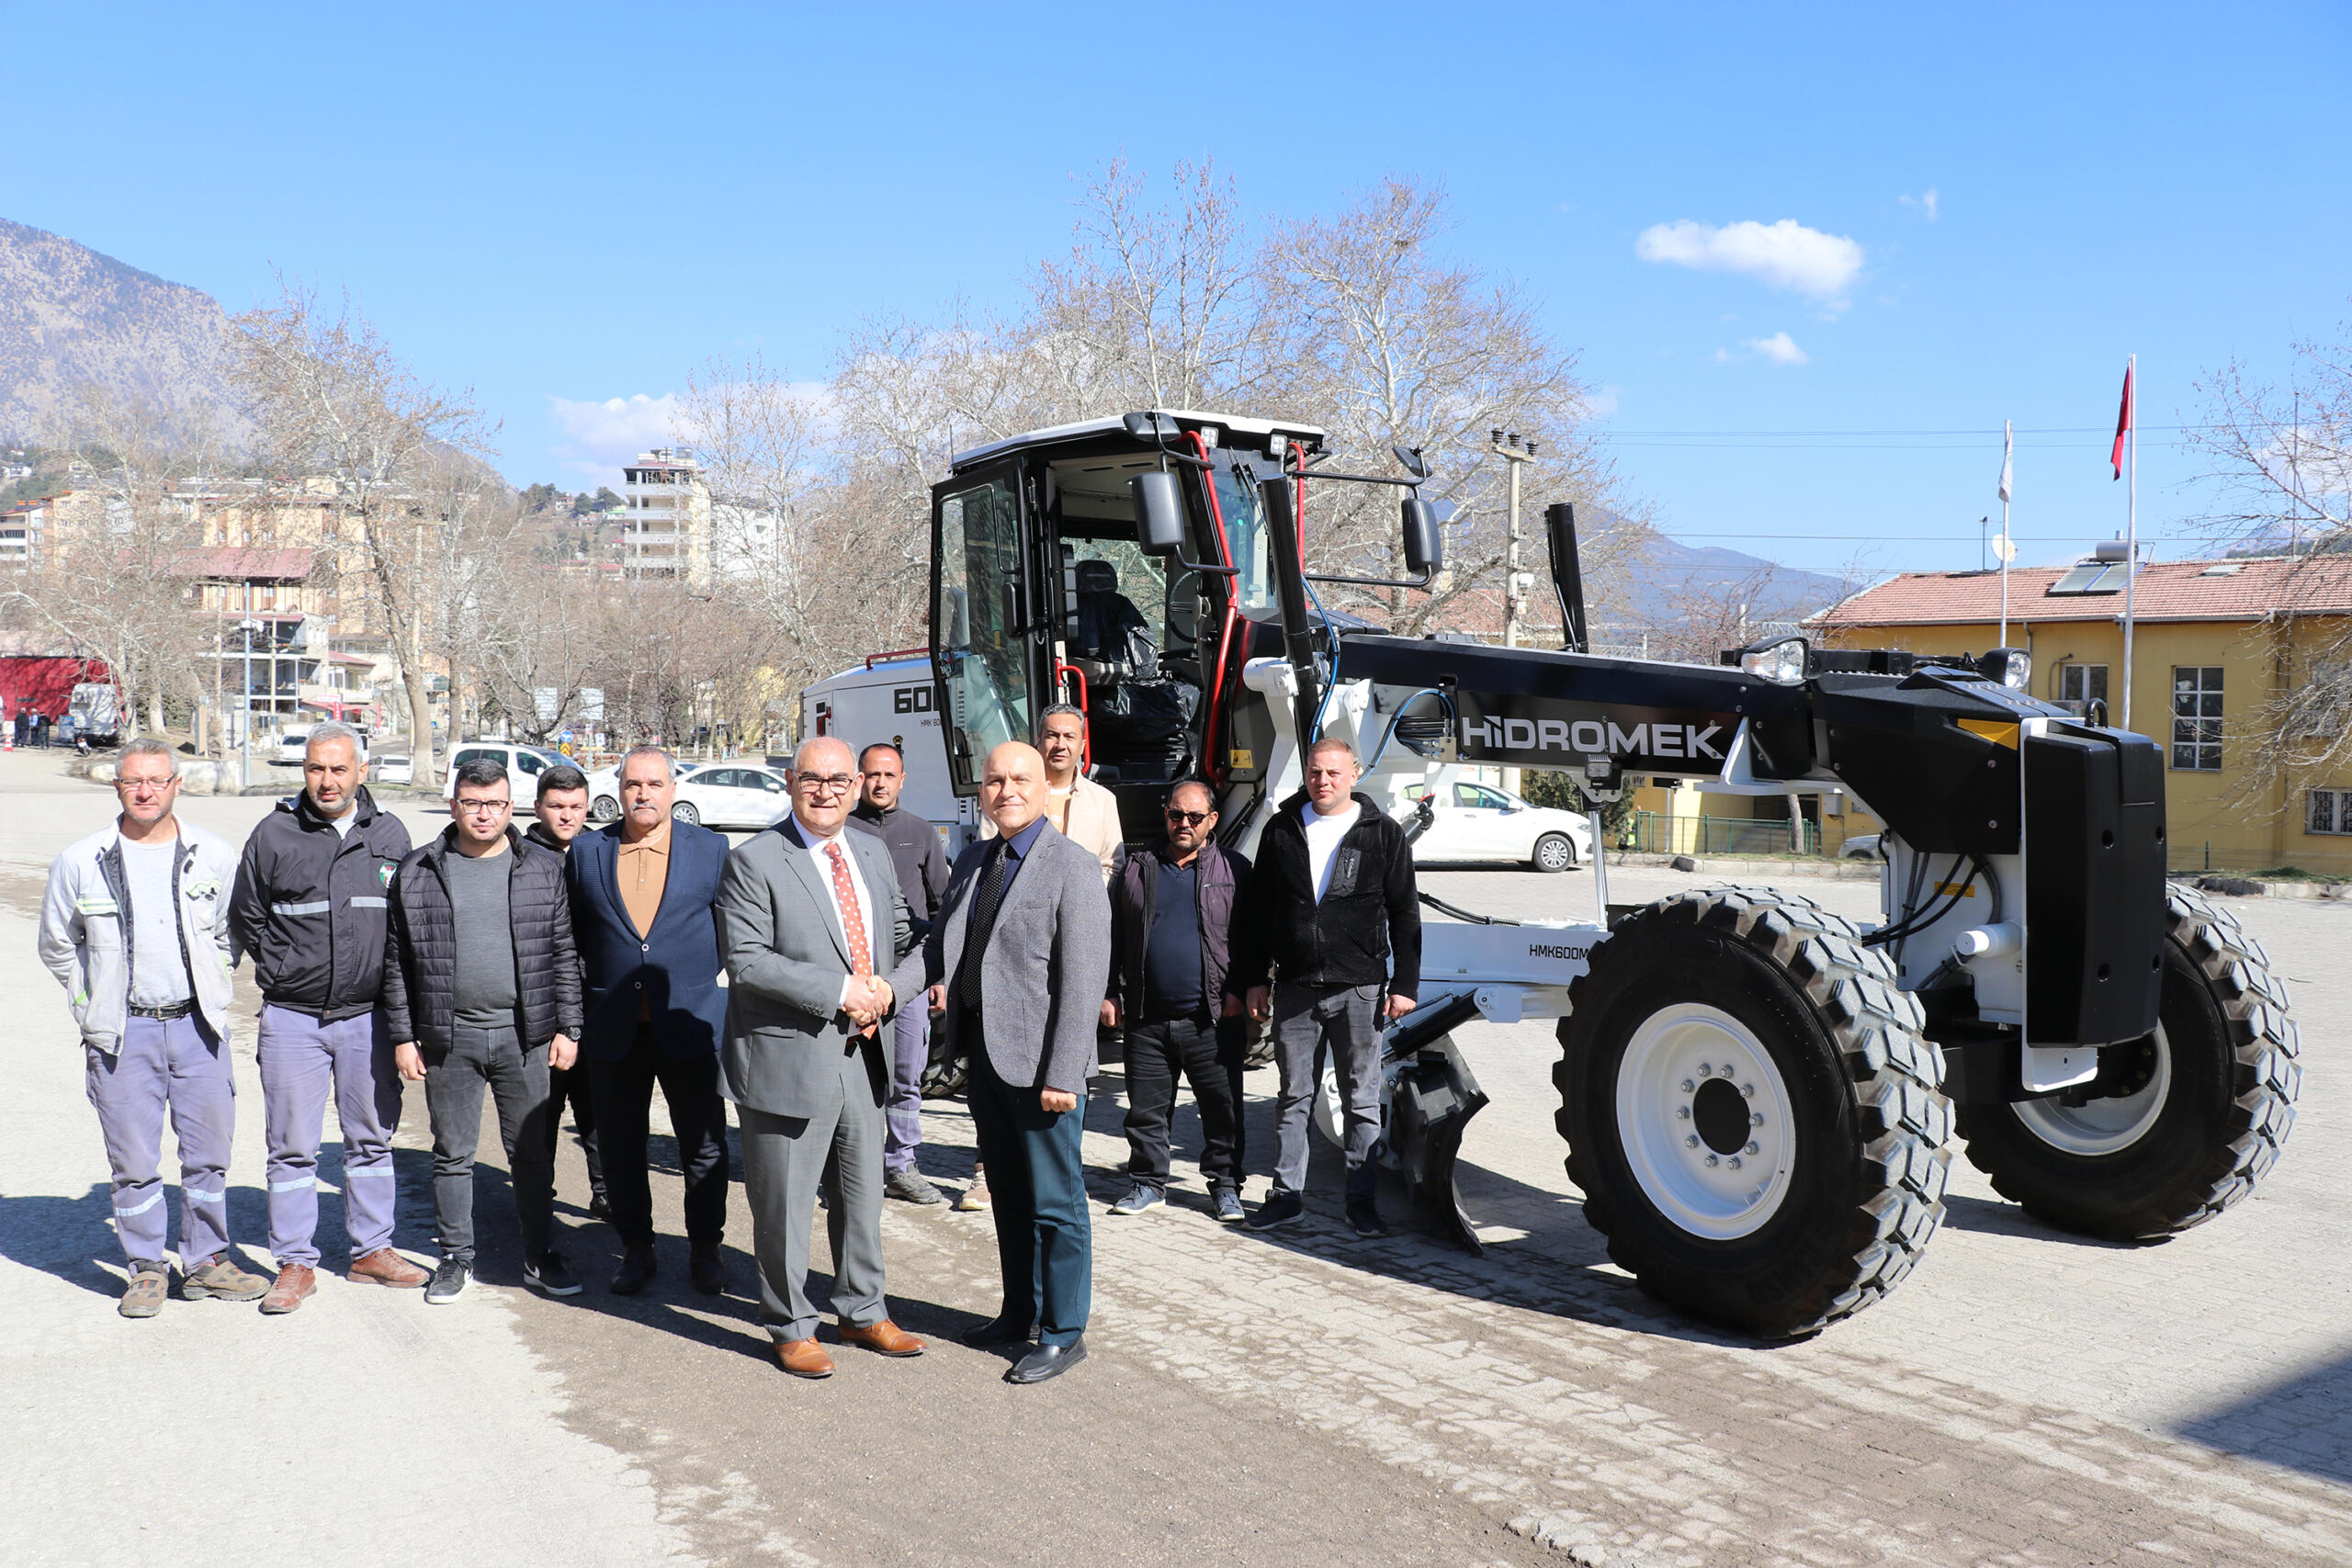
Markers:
(2331, 812)
(2082, 682)
(2197, 717)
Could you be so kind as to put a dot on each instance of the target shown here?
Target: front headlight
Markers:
(1782, 662)
(2016, 669)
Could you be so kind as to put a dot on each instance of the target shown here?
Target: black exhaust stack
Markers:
(1567, 576)
(1290, 595)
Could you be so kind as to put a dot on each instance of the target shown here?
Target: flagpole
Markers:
(2130, 530)
(2006, 549)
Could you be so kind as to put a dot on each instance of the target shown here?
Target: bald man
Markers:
(1022, 943)
(815, 932)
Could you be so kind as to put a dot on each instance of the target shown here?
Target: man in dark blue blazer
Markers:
(641, 893)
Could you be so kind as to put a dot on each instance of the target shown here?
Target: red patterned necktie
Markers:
(861, 951)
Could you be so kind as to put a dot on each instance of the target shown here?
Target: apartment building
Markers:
(666, 523)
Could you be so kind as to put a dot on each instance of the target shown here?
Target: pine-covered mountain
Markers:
(71, 317)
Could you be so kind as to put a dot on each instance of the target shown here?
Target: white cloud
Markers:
(1928, 204)
(601, 436)
(1780, 349)
(1785, 254)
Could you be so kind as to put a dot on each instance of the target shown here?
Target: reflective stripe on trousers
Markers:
(300, 1058)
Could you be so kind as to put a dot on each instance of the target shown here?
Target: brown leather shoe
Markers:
(804, 1358)
(295, 1283)
(385, 1266)
(884, 1338)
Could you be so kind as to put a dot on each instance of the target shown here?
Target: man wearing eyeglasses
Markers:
(816, 935)
(135, 926)
(642, 892)
(1171, 918)
(481, 990)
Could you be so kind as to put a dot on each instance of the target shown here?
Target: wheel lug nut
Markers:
(1683, 1112)
(1734, 1162)
(1710, 1161)
(1754, 1148)
(1706, 1069)
(1748, 1089)
(1690, 1143)
(1757, 1120)
(1687, 1086)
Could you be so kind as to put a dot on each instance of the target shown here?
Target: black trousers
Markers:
(1208, 1052)
(571, 1085)
(623, 1090)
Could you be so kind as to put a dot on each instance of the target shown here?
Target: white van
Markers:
(890, 699)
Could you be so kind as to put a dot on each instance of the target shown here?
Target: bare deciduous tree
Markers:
(2281, 460)
(329, 399)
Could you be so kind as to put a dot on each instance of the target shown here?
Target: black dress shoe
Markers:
(994, 1332)
(1047, 1361)
(707, 1271)
(636, 1271)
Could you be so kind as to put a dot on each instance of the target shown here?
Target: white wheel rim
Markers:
(1552, 852)
(2099, 1127)
(1664, 1102)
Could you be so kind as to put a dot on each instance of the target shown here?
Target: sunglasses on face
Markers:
(1189, 818)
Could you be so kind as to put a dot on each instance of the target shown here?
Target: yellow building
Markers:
(2215, 645)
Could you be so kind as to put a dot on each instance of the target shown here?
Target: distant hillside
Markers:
(1676, 572)
(71, 317)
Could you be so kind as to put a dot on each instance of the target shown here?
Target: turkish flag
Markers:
(2122, 424)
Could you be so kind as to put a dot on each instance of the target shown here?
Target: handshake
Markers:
(867, 1000)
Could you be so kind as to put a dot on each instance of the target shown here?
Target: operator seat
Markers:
(1112, 633)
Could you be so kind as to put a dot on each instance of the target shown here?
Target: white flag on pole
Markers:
(2008, 447)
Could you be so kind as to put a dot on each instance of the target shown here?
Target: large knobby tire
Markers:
(1814, 1225)
(2212, 1098)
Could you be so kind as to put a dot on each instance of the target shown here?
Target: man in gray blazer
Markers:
(813, 924)
(1022, 944)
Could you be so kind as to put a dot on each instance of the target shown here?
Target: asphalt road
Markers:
(2025, 1397)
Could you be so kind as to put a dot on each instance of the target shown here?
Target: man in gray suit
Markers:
(1022, 943)
(813, 924)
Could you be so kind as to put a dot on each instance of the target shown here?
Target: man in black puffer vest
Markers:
(481, 989)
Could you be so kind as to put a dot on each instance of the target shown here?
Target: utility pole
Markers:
(1516, 581)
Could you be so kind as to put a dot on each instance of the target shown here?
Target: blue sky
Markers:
(569, 205)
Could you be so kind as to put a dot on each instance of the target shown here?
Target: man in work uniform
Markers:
(922, 866)
(311, 908)
(135, 927)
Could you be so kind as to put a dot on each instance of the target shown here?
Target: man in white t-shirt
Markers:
(1328, 945)
(135, 926)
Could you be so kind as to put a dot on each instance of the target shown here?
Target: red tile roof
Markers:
(2244, 589)
(233, 564)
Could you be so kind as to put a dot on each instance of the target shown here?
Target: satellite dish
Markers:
(2005, 548)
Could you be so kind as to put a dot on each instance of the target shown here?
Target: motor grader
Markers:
(1760, 1098)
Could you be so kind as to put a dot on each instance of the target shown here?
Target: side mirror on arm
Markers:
(1424, 546)
(1159, 520)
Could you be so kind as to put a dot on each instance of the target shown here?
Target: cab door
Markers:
(987, 651)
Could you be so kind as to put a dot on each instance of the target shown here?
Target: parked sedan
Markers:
(391, 768)
(730, 794)
(1479, 822)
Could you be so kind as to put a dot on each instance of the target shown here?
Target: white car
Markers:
(391, 768)
(1479, 822)
(523, 765)
(731, 795)
(294, 745)
(604, 790)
